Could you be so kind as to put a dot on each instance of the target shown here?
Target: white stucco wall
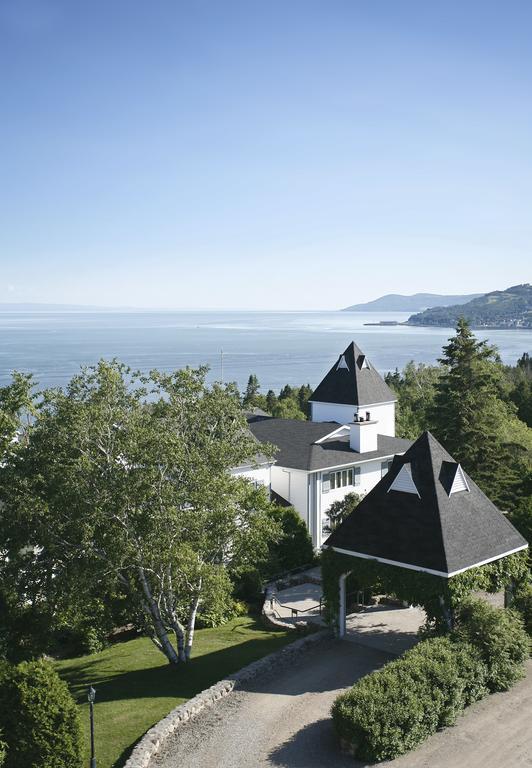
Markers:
(383, 413)
(292, 485)
(370, 474)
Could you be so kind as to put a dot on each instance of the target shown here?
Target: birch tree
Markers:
(127, 479)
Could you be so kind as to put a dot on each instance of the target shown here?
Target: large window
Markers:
(385, 466)
(341, 479)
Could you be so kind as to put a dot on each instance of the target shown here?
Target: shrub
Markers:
(3, 752)
(394, 709)
(294, 548)
(38, 717)
(500, 637)
(523, 604)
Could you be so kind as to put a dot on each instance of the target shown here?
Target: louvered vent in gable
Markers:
(404, 481)
(342, 363)
(459, 482)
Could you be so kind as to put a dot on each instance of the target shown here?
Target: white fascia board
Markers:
(352, 463)
(332, 434)
(260, 465)
(355, 405)
(491, 559)
(430, 571)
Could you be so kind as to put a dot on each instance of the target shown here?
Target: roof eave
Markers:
(420, 569)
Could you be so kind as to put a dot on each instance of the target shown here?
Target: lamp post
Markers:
(92, 697)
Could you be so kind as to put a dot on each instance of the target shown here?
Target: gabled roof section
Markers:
(353, 381)
(316, 445)
(440, 531)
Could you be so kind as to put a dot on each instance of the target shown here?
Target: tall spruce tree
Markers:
(252, 390)
(468, 411)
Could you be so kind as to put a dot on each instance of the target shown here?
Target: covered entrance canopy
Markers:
(426, 515)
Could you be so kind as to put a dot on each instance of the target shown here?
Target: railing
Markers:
(294, 612)
(286, 574)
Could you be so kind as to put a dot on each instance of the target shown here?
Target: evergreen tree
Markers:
(303, 395)
(286, 392)
(252, 390)
(271, 400)
(468, 411)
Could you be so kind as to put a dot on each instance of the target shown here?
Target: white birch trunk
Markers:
(191, 626)
(158, 625)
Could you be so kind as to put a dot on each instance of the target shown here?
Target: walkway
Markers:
(284, 721)
(386, 628)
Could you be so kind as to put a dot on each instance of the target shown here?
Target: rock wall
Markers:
(153, 739)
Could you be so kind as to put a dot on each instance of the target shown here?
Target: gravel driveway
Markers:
(284, 721)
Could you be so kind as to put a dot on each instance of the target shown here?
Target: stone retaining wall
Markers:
(153, 739)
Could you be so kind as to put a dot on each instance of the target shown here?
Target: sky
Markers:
(288, 154)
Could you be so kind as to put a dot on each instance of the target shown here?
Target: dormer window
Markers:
(342, 363)
(453, 478)
(404, 481)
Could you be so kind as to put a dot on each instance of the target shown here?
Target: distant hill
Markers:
(511, 308)
(395, 302)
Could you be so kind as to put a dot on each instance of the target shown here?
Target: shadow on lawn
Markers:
(180, 682)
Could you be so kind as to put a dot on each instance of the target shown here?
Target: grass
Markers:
(136, 687)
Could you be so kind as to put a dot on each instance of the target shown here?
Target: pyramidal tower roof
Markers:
(427, 514)
(353, 381)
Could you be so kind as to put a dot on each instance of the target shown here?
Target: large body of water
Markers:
(280, 347)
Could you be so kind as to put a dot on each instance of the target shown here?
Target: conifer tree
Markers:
(271, 400)
(468, 411)
(252, 390)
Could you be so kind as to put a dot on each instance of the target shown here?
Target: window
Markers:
(341, 479)
(385, 466)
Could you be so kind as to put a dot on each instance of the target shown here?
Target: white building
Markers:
(348, 444)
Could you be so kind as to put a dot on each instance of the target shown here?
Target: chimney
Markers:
(363, 433)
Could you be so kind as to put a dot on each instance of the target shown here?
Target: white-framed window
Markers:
(385, 466)
(341, 479)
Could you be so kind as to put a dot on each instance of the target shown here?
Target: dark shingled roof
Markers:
(353, 381)
(434, 531)
(296, 441)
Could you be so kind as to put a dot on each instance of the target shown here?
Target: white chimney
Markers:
(363, 433)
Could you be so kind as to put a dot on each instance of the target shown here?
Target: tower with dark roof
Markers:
(351, 390)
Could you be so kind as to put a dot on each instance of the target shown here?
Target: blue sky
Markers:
(271, 155)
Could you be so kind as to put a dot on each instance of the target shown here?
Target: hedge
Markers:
(38, 718)
(394, 709)
(500, 637)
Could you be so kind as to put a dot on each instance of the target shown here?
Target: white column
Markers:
(342, 605)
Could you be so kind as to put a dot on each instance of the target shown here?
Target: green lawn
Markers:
(135, 687)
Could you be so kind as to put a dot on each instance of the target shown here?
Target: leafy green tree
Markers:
(288, 408)
(416, 389)
(17, 405)
(339, 510)
(125, 482)
(294, 547)
(39, 718)
(468, 411)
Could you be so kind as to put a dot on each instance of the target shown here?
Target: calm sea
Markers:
(280, 347)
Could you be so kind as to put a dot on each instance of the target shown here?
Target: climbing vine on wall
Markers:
(416, 588)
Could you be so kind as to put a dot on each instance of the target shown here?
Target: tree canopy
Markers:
(125, 483)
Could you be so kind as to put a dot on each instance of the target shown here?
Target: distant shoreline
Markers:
(392, 323)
